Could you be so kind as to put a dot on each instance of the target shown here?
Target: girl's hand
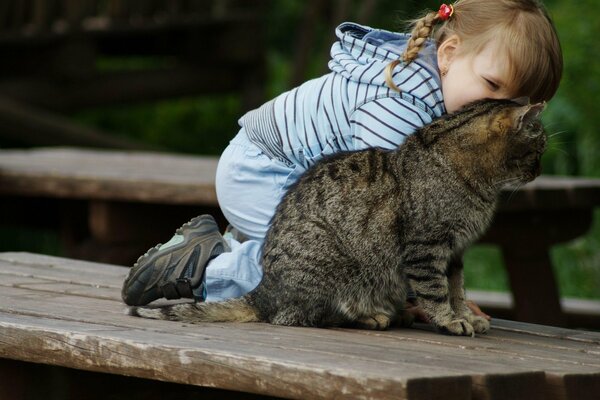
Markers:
(420, 315)
(476, 310)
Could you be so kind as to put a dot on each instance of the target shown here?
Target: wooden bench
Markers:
(68, 316)
(111, 206)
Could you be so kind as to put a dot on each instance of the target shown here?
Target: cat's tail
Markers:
(232, 310)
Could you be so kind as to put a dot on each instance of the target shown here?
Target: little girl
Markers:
(381, 88)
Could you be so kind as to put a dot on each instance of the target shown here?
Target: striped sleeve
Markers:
(385, 122)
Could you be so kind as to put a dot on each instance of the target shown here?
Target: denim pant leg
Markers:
(249, 186)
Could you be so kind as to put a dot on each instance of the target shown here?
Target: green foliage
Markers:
(573, 113)
(484, 269)
(189, 125)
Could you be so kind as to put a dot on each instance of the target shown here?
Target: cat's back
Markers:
(342, 181)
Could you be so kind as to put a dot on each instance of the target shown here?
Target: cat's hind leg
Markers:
(293, 316)
(378, 322)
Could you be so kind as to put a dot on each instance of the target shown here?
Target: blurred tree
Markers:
(572, 116)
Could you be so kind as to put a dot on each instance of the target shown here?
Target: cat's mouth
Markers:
(532, 170)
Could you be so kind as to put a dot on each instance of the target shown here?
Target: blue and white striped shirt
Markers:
(352, 107)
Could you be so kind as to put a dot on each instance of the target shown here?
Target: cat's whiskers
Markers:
(552, 146)
(506, 182)
(563, 151)
(519, 185)
(556, 134)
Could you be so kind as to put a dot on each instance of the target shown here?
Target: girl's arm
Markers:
(385, 122)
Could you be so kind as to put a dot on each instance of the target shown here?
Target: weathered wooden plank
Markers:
(427, 353)
(80, 309)
(80, 276)
(50, 263)
(64, 307)
(84, 272)
(515, 343)
(93, 291)
(58, 272)
(550, 331)
(216, 363)
(82, 282)
(498, 343)
(514, 360)
(19, 280)
(144, 177)
(316, 342)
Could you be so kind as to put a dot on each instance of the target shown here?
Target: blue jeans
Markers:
(249, 187)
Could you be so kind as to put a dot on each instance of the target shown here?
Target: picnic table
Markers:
(112, 206)
(63, 317)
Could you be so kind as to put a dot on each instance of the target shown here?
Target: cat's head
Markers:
(500, 140)
(526, 144)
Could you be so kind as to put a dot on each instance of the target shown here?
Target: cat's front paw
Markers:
(459, 327)
(480, 324)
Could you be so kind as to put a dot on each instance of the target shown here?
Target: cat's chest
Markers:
(470, 226)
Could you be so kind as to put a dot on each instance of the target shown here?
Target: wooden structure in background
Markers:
(66, 313)
(112, 206)
(65, 55)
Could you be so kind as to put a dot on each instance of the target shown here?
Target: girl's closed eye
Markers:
(493, 85)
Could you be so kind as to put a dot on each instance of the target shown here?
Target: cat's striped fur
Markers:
(359, 229)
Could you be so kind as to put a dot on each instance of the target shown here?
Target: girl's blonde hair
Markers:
(524, 31)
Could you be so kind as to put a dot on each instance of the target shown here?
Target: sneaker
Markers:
(174, 270)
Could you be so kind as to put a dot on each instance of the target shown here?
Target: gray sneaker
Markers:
(175, 269)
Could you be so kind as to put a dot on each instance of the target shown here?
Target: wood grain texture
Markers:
(68, 313)
(112, 175)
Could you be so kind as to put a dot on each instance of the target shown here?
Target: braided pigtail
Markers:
(422, 30)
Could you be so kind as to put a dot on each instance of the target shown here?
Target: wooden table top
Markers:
(68, 313)
(109, 174)
(179, 179)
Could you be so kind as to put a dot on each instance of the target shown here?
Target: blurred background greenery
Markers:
(204, 125)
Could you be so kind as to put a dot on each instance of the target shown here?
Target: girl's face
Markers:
(469, 76)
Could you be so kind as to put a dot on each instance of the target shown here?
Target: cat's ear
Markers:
(528, 114)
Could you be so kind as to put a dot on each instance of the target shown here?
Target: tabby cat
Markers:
(359, 229)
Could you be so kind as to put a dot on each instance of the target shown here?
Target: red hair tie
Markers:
(445, 11)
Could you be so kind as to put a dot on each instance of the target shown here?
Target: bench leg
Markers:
(526, 238)
(533, 285)
(12, 381)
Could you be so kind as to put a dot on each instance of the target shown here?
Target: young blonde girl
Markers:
(381, 88)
